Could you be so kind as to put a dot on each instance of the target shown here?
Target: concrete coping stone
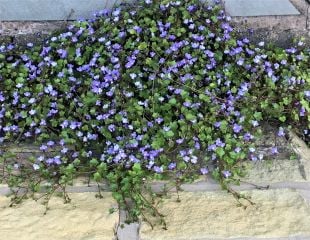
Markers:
(52, 10)
(246, 8)
(49, 10)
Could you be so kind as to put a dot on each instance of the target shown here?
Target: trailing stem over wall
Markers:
(155, 90)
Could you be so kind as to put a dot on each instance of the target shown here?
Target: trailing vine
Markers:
(156, 90)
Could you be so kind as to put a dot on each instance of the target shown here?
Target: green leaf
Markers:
(190, 117)
(258, 116)
(97, 177)
(169, 134)
(282, 118)
(142, 46)
(94, 162)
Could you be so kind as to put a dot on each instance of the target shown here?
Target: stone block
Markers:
(43, 10)
(246, 8)
(276, 214)
(85, 218)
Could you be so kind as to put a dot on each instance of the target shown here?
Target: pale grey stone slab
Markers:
(201, 186)
(44, 10)
(127, 231)
(244, 8)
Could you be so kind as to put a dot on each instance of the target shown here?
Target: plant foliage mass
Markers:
(151, 91)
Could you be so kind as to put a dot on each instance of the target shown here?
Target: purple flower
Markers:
(116, 12)
(217, 124)
(166, 129)
(261, 44)
(158, 169)
(307, 94)
(240, 61)
(111, 127)
(62, 53)
(137, 29)
(237, 128)
(50, 143)
(251, 149)
(219, 143)
(172, 166)
(159, 120)
(283, 62)
(274, 150)
(32, 112)
(237, 149)
(302, 112)
(204, 171)
(226, 173)
(43, 148)
(130, 62)
(36, 166)
(248, 137)
(281, 132)
(191, 8)
(254, 123)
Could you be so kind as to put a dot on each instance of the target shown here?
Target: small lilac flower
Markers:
(254, 123)
(158, 169)
(302, 112)
(248, 137)
(130, 63)
(283, 62)
(274, 150)
(32, 112)
(204, 171)
(43, 148)
(307, 94)
(217, 124)
(62, 53)
(159, 120)
(281, 132)
(237, 149)
(261, 44)
(237, 128)
(36, 166)
(226, 173)
(251, 149)
(133, 76)
(240, 61)
(116, 12)
(111, 127)
(166, 129)
(137, 29)
(50, 143)
(172, 166)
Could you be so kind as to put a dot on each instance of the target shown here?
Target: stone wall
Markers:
(280, 29)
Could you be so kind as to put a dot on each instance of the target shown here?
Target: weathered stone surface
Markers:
(86, 218)
(127, 231)
(273, 171)
(280, 30)
(259, 7)
(214, 215)
(303, 151)
(28, 27)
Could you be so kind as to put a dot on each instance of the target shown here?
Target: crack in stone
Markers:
(302, 170)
